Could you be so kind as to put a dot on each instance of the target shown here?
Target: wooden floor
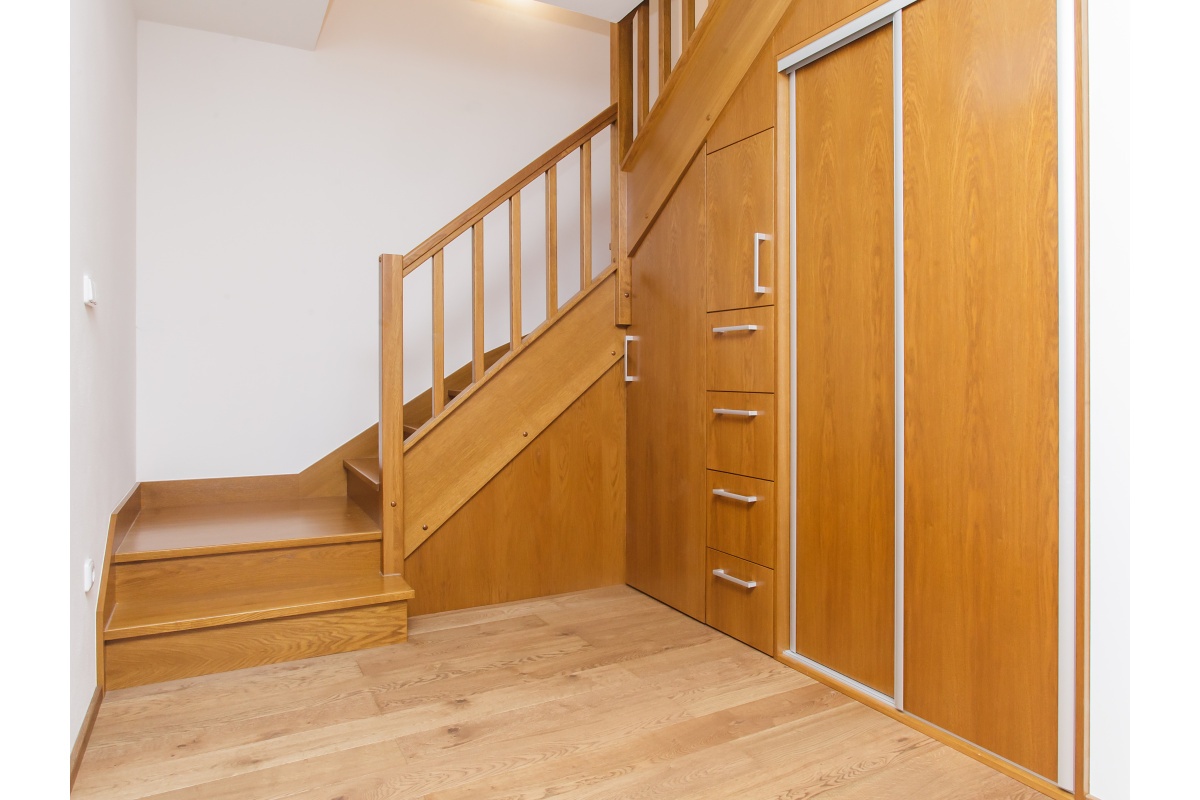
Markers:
(600, 694)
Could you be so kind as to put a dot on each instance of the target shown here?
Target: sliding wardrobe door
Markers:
(845, 362)
(981, 384)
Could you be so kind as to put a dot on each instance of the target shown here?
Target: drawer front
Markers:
(741, 223)
(741, 350)
(741, 517)
(745, 613)
(741, 433)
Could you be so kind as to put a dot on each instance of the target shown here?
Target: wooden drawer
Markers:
(745, 613)
(741, 350)
(741, 438)
(741, 223)
(737, 526)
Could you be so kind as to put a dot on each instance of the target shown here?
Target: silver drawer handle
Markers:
(629, 378)
(735, 412)
(759, 238)
(723, 575)
(747, 499)
(735, 328)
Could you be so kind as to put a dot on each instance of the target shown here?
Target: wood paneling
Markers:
(741, 204)
(845, 364)
(808, 19)
(981, 373)
(740, 444)
(725, 45)
(169, 656)
(745, 530)
(666, 412)
(552, 521)
(742, 361)
(745, 614)
(751, 109)
(119, 523)
(474, 441)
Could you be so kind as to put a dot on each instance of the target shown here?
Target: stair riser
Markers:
(366, 495)
(187, 654)
(143, 581)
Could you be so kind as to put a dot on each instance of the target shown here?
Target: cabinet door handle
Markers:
(735, 328)
(759, 238)
(725, 576)
(629, 378)
(747, 499)
(735, 412)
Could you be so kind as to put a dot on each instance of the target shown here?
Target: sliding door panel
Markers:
(845, 361)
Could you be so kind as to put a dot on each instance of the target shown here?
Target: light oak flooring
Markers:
(598, 694)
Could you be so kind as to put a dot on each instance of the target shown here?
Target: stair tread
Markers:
(232, 527)
(365, 468)
(188, 611)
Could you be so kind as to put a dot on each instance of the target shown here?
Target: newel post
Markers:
(391, 410)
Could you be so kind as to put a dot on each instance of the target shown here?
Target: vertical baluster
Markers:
(689, 22)
(552, 242)
(477, 301)
(585, 214)
(391, 411)
(643, 63)
(439, 332)
(664, 43)
(514, 271)
(621, 85)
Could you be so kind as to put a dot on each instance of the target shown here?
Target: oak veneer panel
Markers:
(751, 109)
(551, 521)
(845, 363)
(745, 530)
(745, 614)
(742, 361)
(741, 203)
(185, 654)
(666, 411)
(805, 19)
(981, 373)
(196, 530)
(738, 444)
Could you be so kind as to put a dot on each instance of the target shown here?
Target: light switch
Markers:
(89, 291)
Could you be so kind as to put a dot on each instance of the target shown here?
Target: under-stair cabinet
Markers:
(851, 370)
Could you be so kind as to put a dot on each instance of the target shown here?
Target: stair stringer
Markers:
(467, 447)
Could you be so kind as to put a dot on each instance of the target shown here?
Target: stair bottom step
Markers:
(203, 651)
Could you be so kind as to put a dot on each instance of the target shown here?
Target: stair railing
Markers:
(394, 269)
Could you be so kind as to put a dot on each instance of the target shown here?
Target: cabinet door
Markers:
(741, 224)
(666, 405)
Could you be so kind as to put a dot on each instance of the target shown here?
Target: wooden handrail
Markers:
(506, 190)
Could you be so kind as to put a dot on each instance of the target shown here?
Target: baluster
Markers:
(477, 298)
(514, 271)
(621, 86)
(439, 332)
(643, 63)
(664, 43)
(585, 215)
(689, 22)
(552, 242)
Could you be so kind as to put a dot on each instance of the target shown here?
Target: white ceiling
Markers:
(611, 10)
(294, 23)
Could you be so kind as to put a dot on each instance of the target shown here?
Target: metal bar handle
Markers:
(735, 412)
(629, 378)
(747, 499)
(759, 238)
(734, 328)
(725, 576)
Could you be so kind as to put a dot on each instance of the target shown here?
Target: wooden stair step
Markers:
(177, 531)
(167, 612)
(365, 469)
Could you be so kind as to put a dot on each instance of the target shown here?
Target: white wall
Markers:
(1110, 686)
(269, 181)
(103, 128)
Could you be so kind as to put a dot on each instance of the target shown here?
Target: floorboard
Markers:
(599, 694)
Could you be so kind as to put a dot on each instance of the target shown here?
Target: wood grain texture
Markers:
(474, 441)
(688, 10)
(477, 301)
(807, 20)
(208, 529)
(551, 521)
(119, 523)
(598, 694)
(79, 748)
(745, 614)
(783, 360)
(642, 18)
(391, 410)
(419, 410)
(741, 361)
(751, 109)
(515, 329)
(981, 373)
(741, 203)
(552, 242)
(585, 214)
(185, 654)
(741, 445)
(745, 530)
(665, 60)
(705, 77)
(438, 387)
(845, 367)
(666, 413)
